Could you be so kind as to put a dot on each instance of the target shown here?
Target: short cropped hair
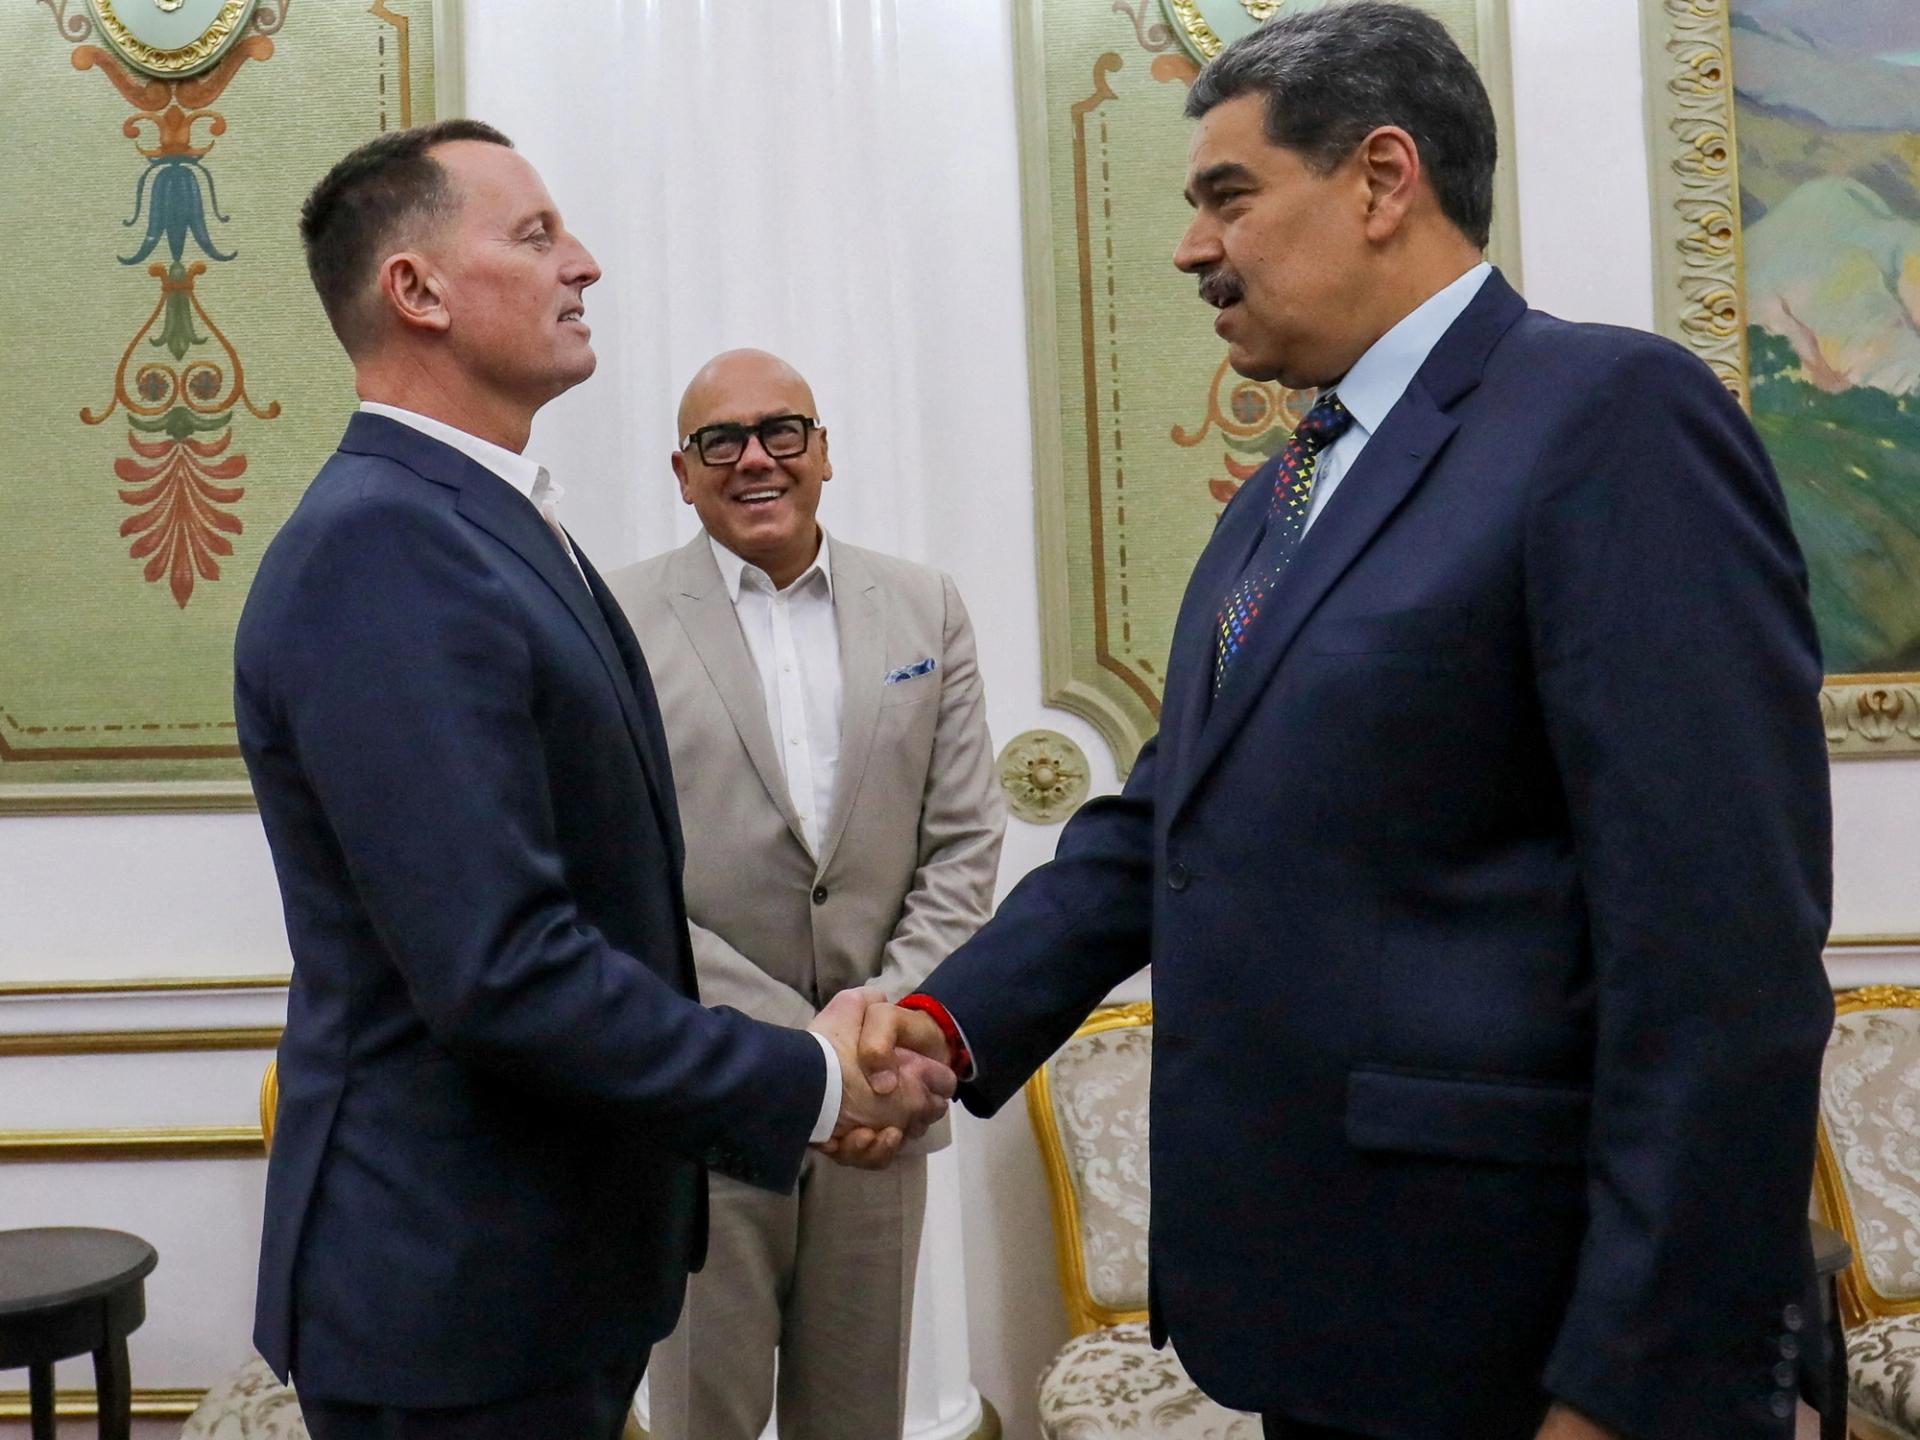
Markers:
(365, 203)
(1332, 76)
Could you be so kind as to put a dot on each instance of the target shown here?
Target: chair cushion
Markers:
(1112, 1382)
(1883, 1358)
(1870, 1101)
(1099, 1085)
(248, 1405)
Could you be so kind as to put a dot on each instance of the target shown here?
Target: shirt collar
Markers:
(529, 477)
(1380, 377)
(734, 570)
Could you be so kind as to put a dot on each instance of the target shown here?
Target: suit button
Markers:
(1792, 1318)
(1789, 1347)
(1784, 1374)
(1781, 1404)
(819, 894)
(1177, 876)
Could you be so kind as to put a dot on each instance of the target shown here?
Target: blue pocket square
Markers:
(908, 672)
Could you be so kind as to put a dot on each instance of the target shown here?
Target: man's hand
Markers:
(1565, 1423)
(875, 1122)
(886, 1032)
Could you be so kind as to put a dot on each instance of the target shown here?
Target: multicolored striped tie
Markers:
(1286, 522)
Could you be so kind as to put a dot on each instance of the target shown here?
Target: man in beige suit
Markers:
(829, 740)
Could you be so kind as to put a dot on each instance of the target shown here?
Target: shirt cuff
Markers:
(830, 1102)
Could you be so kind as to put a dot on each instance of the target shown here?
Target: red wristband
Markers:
(958, 1058)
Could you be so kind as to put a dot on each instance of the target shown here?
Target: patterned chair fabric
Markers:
(1883, 1357)
(1111, 1383)
(1099, 1087)
(1870, 1103)
(249, 1405)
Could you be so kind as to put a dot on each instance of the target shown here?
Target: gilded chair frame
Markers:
(1084, 1313)
(1859, 1301)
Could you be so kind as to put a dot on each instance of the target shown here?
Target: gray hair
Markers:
(1332, 76)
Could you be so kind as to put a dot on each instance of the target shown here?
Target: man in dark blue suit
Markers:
(498, 1094)
(1482, 855)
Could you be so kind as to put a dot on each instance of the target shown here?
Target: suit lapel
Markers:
(706, 612)
(1395, 459)
(863, 660)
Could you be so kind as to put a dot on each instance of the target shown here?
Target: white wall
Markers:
(893, 275)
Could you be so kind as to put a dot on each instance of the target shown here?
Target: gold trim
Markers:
(269, 1102)
(168, 797)
(139, 1042)
(1196, 33)
(182, 60)
(156, 985)
(1865, 942)
(1084, 1313)
(173, 1142)
(176, 1404)
(1859, 1301)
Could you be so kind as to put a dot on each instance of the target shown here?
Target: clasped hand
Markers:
(906, 1093)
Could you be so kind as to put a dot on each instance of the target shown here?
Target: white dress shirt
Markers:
(531, 479)
(1380, 377)
(794, 639)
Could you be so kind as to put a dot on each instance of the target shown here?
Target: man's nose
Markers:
(585, 269)
(1199, 247)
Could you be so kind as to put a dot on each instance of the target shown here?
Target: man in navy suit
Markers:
(1482, 855)
(498, 1092)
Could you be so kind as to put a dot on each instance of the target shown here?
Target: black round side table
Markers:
(65, 1292)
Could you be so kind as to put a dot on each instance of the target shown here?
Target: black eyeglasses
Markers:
(781, 436)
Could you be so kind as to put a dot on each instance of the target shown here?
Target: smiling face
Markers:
(513, 276)
(760, 508)
(1281, 252)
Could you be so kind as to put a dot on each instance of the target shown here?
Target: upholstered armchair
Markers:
(250, 1404)
(1089, 1110)
(1867, 1186)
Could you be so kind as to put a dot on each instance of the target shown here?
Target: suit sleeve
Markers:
(962, 820)
(1679, 676)
(405, 677)
(1067, 934)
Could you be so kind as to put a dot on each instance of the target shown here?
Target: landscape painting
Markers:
(1827, 123)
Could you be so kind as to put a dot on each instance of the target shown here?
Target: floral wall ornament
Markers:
(1044, 775)
(185, 514)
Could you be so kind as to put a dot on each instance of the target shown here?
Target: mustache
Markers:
(1220, 287)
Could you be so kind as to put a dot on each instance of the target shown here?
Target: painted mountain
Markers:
(1828, 116)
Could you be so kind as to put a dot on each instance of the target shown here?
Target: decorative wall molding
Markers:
(139, 1042)
(1857, 960)
(156, 985)
(164, 1142)
(82, 1405)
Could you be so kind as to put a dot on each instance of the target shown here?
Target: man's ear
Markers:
(679, 462)
(1390, 162)
(826, 474)
(412, 289)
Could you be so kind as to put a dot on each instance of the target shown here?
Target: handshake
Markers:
(894, 1079)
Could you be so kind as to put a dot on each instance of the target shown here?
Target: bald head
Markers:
(744, 386)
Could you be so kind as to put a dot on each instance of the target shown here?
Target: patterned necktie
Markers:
(1286, 523)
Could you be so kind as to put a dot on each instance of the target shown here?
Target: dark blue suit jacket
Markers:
(1485, 907)
(497, 1090)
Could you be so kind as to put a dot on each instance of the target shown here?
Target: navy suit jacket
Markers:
(497, 1090)
(1485, 907)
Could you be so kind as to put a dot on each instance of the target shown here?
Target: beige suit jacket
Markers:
(911, 847)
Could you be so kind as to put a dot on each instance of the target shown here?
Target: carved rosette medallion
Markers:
(1044, 775)
(171, 39)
